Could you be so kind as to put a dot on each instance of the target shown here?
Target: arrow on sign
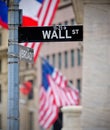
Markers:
(26, 53)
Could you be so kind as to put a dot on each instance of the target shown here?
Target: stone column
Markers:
(96, 65)
(23, 113)
(71, 118)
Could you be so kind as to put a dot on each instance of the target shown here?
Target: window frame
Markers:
(66, 59)
(78, 57)
(59, 60)
(72, 58)
(0, 39)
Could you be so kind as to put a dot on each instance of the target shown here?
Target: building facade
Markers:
(66, 56)
(3, 77)
(95, 16)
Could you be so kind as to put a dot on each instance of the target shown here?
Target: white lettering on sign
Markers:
(59, 34)
(67, 35)
(54, 34)
(75, 31)
(59, 27)
(46, 34)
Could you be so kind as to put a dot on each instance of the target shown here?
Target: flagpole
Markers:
(13, 66)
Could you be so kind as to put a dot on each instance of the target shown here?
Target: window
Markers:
(0, 122)
(0, 93)
(72, 22)
(60, 24)
(31, 94)
(72, 58)
(0, 66)
(71, 81)
(53, 59)
(48, 58)
(66, 59)
(31, 115)
(79, 56)
(79, 85)
(66, 23)
(27, 65)
(0, 39)
(59, 60)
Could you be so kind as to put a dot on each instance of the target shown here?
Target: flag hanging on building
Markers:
(41, 13)
(3, 15)
(26, 88)
(55, 93)
(35, 13)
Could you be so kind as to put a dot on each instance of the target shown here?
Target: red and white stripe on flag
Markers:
(48, 110)
(59, 79)
(64, 92)
(37, 13)
(65, 96)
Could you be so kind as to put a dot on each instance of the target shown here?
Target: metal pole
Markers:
(13, 66)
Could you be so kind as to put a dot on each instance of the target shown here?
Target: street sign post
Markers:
(13, 66)
(50, 34)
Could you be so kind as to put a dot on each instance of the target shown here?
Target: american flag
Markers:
(37, 13)
(55, 93)
(26, 87)
(3, 15)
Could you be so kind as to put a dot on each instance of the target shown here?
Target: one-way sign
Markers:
(50, 34)
(26, 54)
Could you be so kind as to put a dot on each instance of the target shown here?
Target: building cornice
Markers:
(78, 6)
(96, 1)
(78, 10)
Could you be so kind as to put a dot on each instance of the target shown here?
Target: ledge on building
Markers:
(78, 10)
